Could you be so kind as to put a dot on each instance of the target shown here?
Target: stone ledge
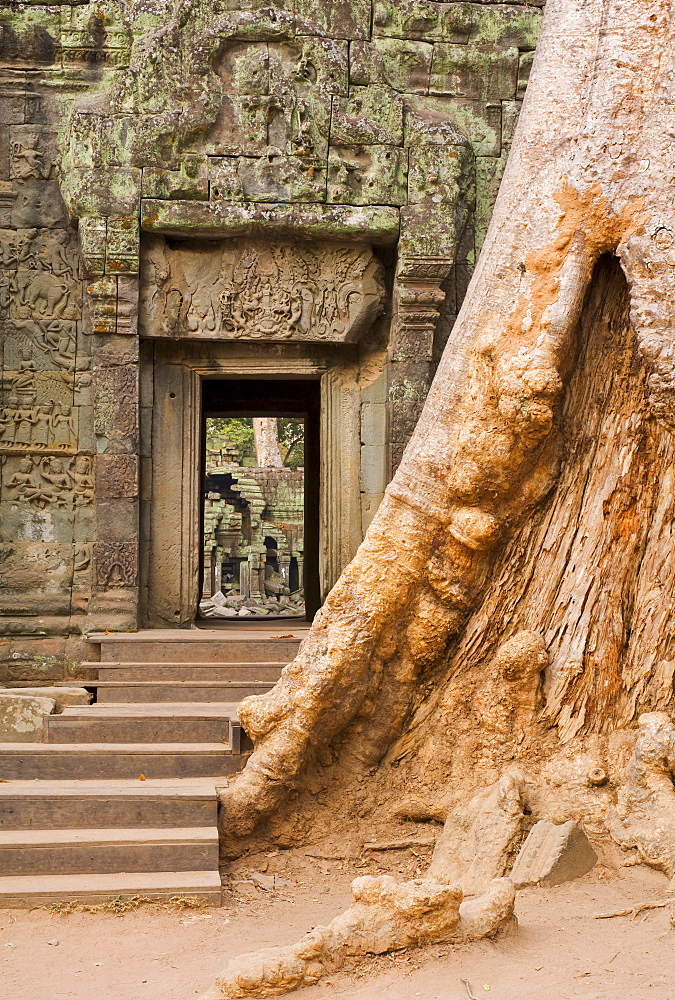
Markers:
(374, 224)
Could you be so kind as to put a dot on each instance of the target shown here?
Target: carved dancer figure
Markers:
(8, 424)
(25, 417)
(29, 162)
(54, 474)
(83, 481)
(27, 487)
(63, 426)
(42, 428)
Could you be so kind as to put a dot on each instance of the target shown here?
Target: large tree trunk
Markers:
(266, 437)
(525, 388)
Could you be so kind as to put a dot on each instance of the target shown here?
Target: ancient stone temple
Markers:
(223, 208)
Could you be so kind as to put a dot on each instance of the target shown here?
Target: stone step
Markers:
(107, 804)
(168, 722)
(38, 890)
(142, 671)
(157, 692)
(83, 851)
(52, 761)
(184, 646)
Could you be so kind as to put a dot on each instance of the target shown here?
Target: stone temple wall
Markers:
(128, 126)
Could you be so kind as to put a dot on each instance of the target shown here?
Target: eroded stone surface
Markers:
(22, 717)
(61, 696)
(553, 853)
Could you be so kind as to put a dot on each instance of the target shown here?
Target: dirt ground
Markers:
(558, 952)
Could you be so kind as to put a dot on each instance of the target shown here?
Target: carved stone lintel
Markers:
(251, 290)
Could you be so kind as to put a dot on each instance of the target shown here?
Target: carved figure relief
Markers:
(29, 161)
(40, 275)
(115, 564)
(42, 481)
(44, 427)
(245, 289)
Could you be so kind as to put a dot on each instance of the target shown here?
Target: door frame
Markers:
(307, 404)
(171, 475)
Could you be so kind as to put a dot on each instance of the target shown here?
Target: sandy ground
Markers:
(558, 952)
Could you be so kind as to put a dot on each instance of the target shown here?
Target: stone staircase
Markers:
(120, 798)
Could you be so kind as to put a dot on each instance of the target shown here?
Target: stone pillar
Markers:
(110, 249)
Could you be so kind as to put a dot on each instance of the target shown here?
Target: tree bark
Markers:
(589, 175)
(267, 442)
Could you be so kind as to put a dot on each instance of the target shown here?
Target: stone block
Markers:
(504, 25)
(489, 173)
(279, 178)
(510, 115)
(241, 127)
(311, 66)
(43, 569)
(224, 180)
(116, 408)
(4, 154)
(244, 69)
(107, 190)
(189, 181)
(367, 175)
(374, 424)
(93, 232)
(85, 139)
(403, 416)
(552, 854)
(404, 66)
(12, 97)
(38, 205)
(22, 717)
(127, 311)
(122, 245)
(474, 73)
(117, 519)
(116, 477)
(369, 504)
(33, 152)
(375, 225)
(63, 697)
(371, 116)
(336, 18)
(373, 468)
(406, 18)
(524, 68)
(427, 233)
(445, 119)
(440, 175)
(500, 24)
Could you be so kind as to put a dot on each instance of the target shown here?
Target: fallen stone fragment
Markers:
(21, 717)
(552, 854)
(63, 696)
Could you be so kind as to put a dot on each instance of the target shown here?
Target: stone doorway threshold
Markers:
(271, 625)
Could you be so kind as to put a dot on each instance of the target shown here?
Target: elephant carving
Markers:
(46, 294)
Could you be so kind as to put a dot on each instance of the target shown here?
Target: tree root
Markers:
(386, 915)
(479, 842)
(644, 815)
(633, 911)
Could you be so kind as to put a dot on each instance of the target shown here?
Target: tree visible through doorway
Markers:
(253, 518)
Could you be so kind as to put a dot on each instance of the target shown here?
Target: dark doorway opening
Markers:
(260, 517)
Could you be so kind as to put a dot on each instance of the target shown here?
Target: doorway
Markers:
(260, 492)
